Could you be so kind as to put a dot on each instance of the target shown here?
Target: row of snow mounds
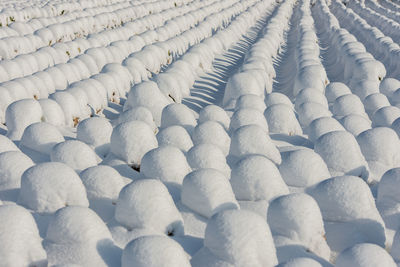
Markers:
(377, 7)
(388, 26)
(124, 38)
(80, 27)
(355, 113)
(394, 6)
(49, 9)
(382, 47)
(84, 97)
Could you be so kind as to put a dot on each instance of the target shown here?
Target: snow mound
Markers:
(95, 132)
(374, 102)
(298, 218)
(138, 113)
(239, 84)
(41, 137)
(168, 164)
(214, 113)
(20, 114)
(12, 165)
(310, 95)
(303, 168)
(75, 154)
(336, 89)
(49, 186)
(208, 156)
(239, 238)
(154, 251)
(175, 136)
(255, 177)
(252, 139)
(321, 126)
(147, 204)
(342, 154)
(348, 104)
(385, 116)
(52, 112)
(178, 114)
(103, 184)
(282, 119)
(356, 124)
(364, 255)
(250, 101)
(381, 148)
(207, 192)
(275, 98)
(148, 95)
(211, 132)
(247, 116)
(310, 111)
(20, 242)
(131, 140)
(76, 235)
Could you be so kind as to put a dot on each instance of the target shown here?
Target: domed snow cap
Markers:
(75, 154)
(310, 111)
(282, 119)
(241, 238)
(384, 117)
(178, 114)
(303, 168)
(102, 182)
(300, 262)
(148, 95)
(277, 98)
(365, 255)
(388, 86)
(214, 113)
(310, 95)
(356, 124)
(84, 235)
(20, 242)
(348, 104)
(138, 113)
(388, 188)
(250, 101)
(298, 217)
(41, 137)
(95, 132)
(239, 84)
(374, 102)
(20, 114)
(247, 116)
(342, 154)
(168, 164)
(336, 89)
(208, 156)
(49, 186)
(52, 112)
(7, 145)
(381, 148)
(207, 192)
(345, 198)
(252, 139)
(321, 126)
(131, 140)
(255, 177)
(211, 132)
(175, 136)
(154, 251)
(12, 165)
(147, 204)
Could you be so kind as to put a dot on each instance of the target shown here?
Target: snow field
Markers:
(199, 133)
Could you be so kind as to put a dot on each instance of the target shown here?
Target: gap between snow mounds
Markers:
(284, 64)
(209, 88)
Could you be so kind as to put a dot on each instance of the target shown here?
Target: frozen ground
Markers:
(200, 133)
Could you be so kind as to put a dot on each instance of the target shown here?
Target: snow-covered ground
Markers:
(205, 133)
